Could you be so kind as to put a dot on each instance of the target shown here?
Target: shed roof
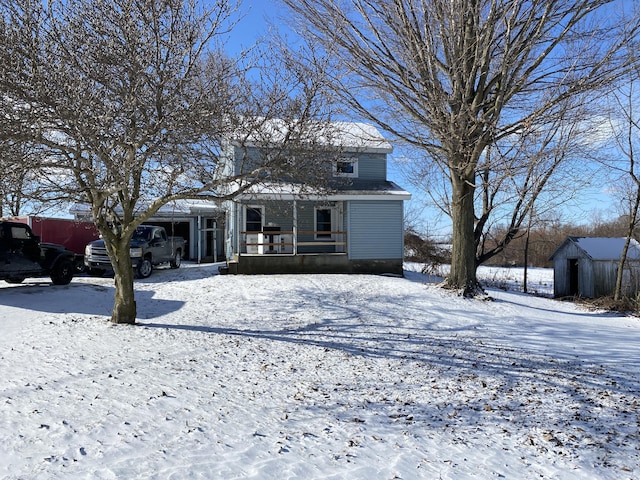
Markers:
(603, 248)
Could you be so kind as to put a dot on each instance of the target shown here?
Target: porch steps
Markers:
(230, 268)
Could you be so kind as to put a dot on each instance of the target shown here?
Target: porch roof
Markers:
(360, 190)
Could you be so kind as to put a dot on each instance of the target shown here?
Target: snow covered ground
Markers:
(323, 376)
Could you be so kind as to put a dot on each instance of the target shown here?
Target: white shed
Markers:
(588, 267)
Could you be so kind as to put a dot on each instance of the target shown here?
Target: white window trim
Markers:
(352, 160)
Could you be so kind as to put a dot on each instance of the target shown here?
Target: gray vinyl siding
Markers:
(306, 223)
(375, 230)
(226, 166)
(372, 166)
(279, 213)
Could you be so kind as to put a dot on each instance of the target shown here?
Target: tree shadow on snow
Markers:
(575, 393)
(432, 338)
(454, 378)
(81, 298)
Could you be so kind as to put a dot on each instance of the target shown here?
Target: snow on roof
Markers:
(351, 136)
(360, 135)
(176, 207)
(599, 248)
(294, 191)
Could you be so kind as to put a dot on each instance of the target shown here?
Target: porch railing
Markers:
(293, 242)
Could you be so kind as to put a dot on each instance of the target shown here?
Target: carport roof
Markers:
(177, 207)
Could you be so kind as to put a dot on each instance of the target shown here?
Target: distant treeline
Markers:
(543, 241)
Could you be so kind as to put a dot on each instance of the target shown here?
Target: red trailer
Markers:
(73, 234)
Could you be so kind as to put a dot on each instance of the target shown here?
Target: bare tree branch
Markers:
(454, 77)
(135, 104)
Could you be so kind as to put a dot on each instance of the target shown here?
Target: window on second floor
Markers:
(346, 167)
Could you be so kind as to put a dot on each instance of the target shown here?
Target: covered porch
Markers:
(297, 233)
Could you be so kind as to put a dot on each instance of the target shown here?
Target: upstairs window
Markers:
(346, 167)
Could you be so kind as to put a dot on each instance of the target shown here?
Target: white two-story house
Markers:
(354, 225)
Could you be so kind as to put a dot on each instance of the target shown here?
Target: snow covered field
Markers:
(325, 376)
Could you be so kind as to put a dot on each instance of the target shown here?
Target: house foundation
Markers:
(309, 263)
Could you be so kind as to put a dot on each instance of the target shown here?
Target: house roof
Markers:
(360, 136)
(350, 136)
(603, 248)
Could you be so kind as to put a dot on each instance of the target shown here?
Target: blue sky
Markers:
(256, 17)
(259, 16)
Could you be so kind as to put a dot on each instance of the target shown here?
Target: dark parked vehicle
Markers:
(22, 255)
(72, 234)
(149, 246)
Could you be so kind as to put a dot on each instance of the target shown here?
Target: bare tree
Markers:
(454, 77)
(15, 172)
(625, 126)
(532, 171)
(20, 188)
(134, 103)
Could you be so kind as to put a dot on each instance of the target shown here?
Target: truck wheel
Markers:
(62, 273)
(145, 268)
(15, 280)
(177, 260)
(95, 272)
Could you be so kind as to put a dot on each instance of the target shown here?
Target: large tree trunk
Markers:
(463, 256)
(124, 308)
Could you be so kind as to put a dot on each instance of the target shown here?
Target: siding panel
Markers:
(375, 230)
(372, 166)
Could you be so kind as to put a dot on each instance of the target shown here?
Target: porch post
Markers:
(199, 239)
(239, 225)
(295, 227)
(215, 241)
